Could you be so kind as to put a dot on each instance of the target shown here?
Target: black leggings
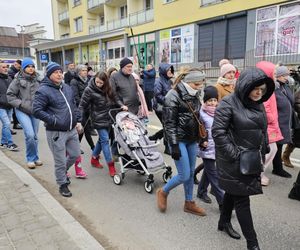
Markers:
(87, 133)
(243, 213)
(277, 162)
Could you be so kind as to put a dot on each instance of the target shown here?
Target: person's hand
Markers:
(176, 154)
(124, 107)
(79, 128)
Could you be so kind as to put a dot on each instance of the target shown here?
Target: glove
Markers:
(176, 154)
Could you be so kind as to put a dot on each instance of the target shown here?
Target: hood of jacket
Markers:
(267, 67)
(163, 69)
(248, 80)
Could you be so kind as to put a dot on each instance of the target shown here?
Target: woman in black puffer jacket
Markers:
(99, 99)
(181, 129)
(240, 124)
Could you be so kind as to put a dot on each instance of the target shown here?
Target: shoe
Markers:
(286, 155)
(17, 126)
(161, 200)
(295, 192)
(227, 227)
(112, 169)
(205, 198)
(3, 145)
(31, 165)
(79, 173)
(265, 181)
(68, 181)
(38, 163)
(81, 151)
(95, 162)
(191, 207)
(64, 190)
(152, 138)
(94, 132)
(167, 151)
(12, 147)
(253, 248)
(13, 132)
(282, 173)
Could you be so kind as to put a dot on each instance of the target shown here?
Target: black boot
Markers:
(197, 171)
(64, 190)
(253, 248)
(295, 192)
(227, 227)
(282, 173)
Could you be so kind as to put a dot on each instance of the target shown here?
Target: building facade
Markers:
(194, 32)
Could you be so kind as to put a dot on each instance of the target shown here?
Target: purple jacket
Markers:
(209, 152)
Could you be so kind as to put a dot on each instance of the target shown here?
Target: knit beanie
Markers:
(282, 71)
(26, 62)
(51, 67)
(194, 76)
(210, 92)
(223, 62)
(124, 62)
(226, 68)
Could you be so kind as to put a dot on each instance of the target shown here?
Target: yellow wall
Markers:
(135, 6)
(179, 12)
(110, 13)
(55, 19)
(75, 12)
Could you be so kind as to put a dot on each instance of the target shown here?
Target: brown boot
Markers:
(161, 200)
(191, 207)
(286, 155)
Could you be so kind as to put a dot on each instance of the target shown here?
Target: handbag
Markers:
(295, 121)
(251, 162)
(201, 128)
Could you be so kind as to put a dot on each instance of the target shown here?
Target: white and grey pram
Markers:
(135, 151)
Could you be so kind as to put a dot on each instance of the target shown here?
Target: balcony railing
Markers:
(141, 17)
(64, 16)
(95, 3)
(117, 24)
(97, 29)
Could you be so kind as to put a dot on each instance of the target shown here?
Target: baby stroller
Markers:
(135, 151)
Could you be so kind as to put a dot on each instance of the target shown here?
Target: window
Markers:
(117, 53)
(207, 2)
(148, 4)
(123, 11)
(78, 24)
(123, 52)
(111, 54)
(76, 3)
(102, 20)
(168, 1)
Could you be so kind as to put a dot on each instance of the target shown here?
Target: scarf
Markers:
(143, 109)
(189, 89)
(84, 79)
(210, 110)
(224, 81)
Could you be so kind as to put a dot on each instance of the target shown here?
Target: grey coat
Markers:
(21, 91)
(125, 88)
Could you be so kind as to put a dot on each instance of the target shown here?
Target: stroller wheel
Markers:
(166, 176)
(117, 179)
(148, 187)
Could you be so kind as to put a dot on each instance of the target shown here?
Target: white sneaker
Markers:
(38, 163)
(265, 181)
(31, 165)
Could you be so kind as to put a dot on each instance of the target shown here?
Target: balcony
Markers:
(63, 18)
(95, 6)
(117, 24)
(62, 1)
(65, 36)
(97, 29)
(140, 17)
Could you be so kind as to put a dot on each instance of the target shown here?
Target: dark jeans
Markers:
(243, 213)
(15, 119)
(298, 178)
(277, 161)
(210, 176)
(87, 132)
(148, 97)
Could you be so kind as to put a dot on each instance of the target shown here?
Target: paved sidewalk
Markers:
(30, 218)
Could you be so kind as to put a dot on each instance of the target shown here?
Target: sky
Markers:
(24, 12)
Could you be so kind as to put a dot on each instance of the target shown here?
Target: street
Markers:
(126, 217)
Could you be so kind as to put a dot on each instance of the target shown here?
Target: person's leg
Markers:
(96, 152)
(35, 125)
(243, 213)
(189, 184)
(16, 124)
(88, 135)
(30, 140)
(295, 191)
(159, 134)
(104, 140)
(268, 160)
(72, 147)
(228, 204)
(277, 164)
(286, 155)
(6, 138)
(203, 185)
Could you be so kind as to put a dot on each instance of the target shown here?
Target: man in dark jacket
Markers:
(54, 104)
(70, 74)
(148, 77)
(124, 85)
(5, 109)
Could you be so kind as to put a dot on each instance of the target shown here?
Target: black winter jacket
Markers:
(179, 122)
(55, 105)
(240, 123)
(12, 71)
(5, 80)
(68, 77)
(78, 86)
(95, 101)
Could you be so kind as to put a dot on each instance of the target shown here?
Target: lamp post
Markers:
(23, 45)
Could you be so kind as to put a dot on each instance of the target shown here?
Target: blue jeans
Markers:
(103, 144)
(185, 168)
(30, 127)
(5, 115)
(210, 175)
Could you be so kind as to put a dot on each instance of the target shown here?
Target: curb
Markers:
(72, 227)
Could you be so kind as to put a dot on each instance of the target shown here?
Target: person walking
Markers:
(70, 74)
(20, 94)
(207, 149)
(226, 82)
(285, 103)
(99, 98)
(240, 128)
(55, 105)
(148, 75)
(5, 110)
(181, 105)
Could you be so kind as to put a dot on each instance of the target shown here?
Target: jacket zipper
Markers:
(71, 120)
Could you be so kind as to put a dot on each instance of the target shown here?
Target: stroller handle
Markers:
(116, 110)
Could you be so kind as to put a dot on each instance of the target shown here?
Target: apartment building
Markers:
(194, 32)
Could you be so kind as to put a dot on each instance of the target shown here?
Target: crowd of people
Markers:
(246, 117)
